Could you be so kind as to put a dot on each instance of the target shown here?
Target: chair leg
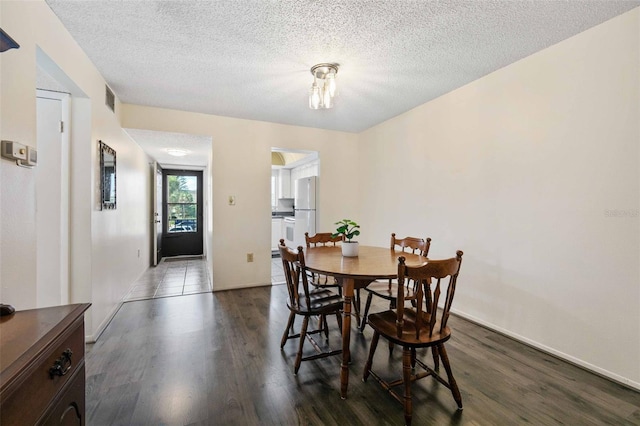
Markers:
(407, 356)
(285, 336)
(339, 319)
(393, 302)
(413, 358)
(326, 327)
(303, 336)
(357, 308)
(452, 382)
(436, 359)
(372, 350)
(366, 312)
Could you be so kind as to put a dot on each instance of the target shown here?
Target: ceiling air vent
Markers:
(110, 99)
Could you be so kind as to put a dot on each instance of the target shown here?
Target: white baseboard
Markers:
(92, 338)
(565, 357)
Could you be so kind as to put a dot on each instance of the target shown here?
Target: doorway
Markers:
(182, 207)
(287, 166)
(52, 198)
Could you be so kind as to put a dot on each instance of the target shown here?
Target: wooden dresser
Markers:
(42, 378)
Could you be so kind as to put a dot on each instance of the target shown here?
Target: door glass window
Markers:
(182, 206)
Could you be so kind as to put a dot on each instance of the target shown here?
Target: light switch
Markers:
(32, 158)
(232, 200)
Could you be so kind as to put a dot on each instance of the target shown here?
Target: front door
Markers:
(156, 202)
(182, 213)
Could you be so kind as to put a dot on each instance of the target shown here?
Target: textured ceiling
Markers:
(156, 144)
(251, 58)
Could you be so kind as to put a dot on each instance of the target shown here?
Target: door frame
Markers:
(156, 213)
(42, 216)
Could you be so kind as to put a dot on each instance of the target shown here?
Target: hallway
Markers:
(172, 277)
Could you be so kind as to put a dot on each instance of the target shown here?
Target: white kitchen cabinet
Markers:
(284, 182)
(276, 232)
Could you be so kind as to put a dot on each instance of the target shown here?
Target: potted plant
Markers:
(348, 229)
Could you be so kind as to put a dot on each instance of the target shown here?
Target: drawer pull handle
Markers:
(62, 364)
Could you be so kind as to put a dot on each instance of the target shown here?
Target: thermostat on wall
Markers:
(14, 150)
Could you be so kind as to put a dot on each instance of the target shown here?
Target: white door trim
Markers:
(63, 180)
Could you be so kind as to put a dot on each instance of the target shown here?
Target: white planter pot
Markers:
(350, 248)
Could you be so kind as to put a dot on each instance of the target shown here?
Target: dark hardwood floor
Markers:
(215, 359)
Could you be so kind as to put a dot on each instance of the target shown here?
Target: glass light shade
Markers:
(331, 83)
(323, 89)
(314, 96)
(327, 100)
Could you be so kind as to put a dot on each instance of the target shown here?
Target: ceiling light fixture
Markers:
(323, 89)
(177, 152)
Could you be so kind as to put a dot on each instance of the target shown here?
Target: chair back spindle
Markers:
(322, 239)
(293, 266)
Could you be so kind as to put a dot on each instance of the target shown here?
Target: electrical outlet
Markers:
(249, 257)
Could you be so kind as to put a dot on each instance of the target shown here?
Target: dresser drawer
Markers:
(69, 407)
(41, 381)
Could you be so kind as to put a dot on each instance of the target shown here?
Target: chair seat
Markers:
(382, 289)
(385, 291)
(321, 302)
(320, 292)
(385, 324)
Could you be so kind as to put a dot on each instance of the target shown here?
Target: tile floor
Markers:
(277, 275)
(172, 277)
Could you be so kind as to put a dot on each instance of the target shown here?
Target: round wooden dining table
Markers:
(372, 263)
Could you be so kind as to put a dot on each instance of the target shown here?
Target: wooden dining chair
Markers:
(322, 239)
(306, 303)
(387, 289)
(419, 324)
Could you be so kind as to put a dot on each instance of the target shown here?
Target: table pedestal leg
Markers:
(348, 291)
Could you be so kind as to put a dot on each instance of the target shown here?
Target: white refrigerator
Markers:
(304, 209)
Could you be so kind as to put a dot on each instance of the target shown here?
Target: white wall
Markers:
(17, 185)
(241, 166)
(104, 244)
(521, 170)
